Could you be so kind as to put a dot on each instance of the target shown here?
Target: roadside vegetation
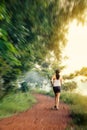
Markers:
(15, 103)
(78, 108)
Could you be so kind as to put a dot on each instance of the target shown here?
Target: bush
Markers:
(24, 87)
(69, 86)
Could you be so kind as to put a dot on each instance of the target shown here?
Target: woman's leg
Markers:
(57, 97)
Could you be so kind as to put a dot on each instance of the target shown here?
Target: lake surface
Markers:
(82, 85)
(82, 88)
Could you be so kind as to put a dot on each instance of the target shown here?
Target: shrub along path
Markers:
(39, 117)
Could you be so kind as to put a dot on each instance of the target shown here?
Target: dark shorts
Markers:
(57, 89)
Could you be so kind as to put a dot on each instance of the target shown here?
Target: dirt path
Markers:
(40, 117)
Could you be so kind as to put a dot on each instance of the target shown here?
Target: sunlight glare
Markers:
(76, 48)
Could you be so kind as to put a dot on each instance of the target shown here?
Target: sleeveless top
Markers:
(56, 83)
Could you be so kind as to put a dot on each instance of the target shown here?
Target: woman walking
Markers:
(56, 82)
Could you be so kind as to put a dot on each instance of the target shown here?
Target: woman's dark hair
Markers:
(57, 74)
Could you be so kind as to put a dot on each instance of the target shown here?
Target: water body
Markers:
(82, 88)
(82, 85)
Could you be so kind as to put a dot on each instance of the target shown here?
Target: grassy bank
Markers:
(15, 103)
(78, 107)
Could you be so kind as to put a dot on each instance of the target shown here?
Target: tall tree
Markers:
(30, 29)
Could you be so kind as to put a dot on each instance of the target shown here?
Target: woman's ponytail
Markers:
(57, 74)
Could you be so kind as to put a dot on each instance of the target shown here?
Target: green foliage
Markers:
(23, 102)
(10, 75)
(78, 108)
(69, 86)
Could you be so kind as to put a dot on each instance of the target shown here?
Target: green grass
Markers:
(15, 103)
(78, 107)
(37, 90)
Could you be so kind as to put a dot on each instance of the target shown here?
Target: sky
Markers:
(76, 48)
